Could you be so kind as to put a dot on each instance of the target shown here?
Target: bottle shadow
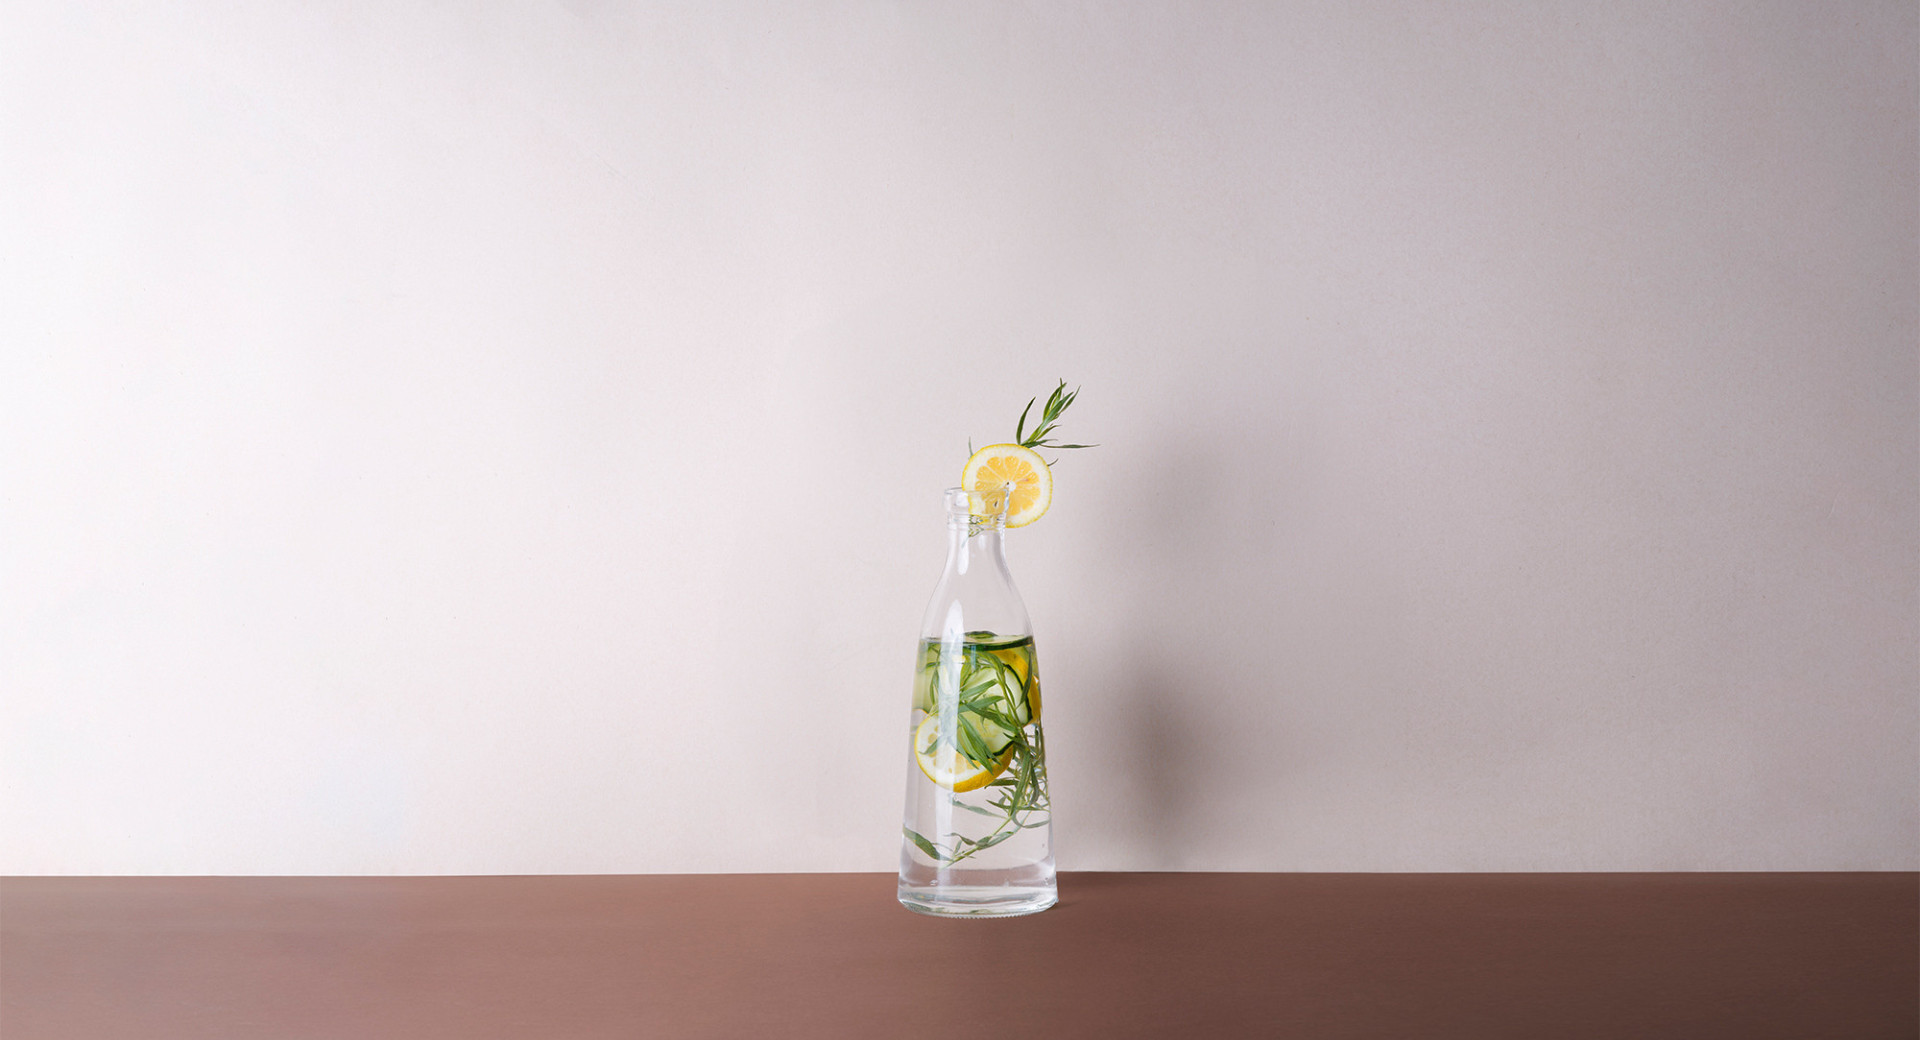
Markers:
(1199, 740)
(1171, 778)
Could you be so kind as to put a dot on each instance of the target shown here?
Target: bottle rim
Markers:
(978, 507)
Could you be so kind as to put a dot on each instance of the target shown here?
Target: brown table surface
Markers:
(832, 955)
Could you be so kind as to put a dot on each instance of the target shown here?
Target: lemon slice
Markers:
(998, 464)
(948, 767)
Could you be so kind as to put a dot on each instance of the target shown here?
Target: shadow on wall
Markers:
(1169, 751)
(1198, 704)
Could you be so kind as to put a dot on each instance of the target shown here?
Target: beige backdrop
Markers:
(507, 437)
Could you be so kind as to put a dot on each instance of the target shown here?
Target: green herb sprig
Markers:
(1050, 413)
(988, 688)
(1057, 403)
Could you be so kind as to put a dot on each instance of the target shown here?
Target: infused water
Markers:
(978, 832)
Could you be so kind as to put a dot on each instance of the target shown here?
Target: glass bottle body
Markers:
(977, 839)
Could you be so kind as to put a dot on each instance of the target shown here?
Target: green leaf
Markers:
(1054, 402)
(992, 839)
(1057, 403)
(972, 746)
(925, 846)
(998, 718)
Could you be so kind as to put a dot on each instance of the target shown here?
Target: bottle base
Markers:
(978, 900)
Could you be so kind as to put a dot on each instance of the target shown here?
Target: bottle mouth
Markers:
(980, 508)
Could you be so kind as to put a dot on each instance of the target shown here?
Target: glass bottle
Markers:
(978, 837)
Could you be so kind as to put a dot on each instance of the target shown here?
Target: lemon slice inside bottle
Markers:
(949, 768)
(997, 465)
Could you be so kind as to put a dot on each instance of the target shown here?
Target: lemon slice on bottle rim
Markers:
(997, 465)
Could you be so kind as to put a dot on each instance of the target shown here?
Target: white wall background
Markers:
(439, 437)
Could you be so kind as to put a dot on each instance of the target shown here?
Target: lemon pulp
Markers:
(997, 465)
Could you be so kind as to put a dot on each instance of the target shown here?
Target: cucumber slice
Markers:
(923, 687)
(926, 678)
(999, 669)
(991, 734)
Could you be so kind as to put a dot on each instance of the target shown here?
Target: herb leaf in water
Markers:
(987, 692)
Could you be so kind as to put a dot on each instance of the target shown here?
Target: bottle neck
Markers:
(971, 546)
(976, 594)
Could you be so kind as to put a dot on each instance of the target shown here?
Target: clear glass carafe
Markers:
(978, 837)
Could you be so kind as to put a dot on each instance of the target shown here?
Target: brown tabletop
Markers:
(832, 955)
